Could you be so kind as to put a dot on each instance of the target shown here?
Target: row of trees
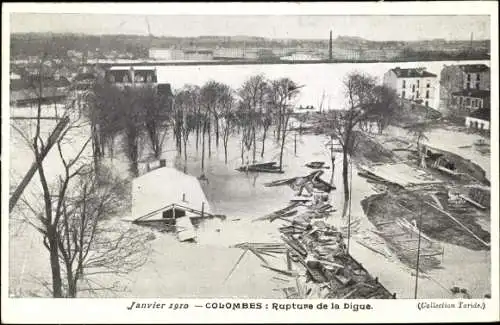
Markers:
(211, 112)
(70, 209)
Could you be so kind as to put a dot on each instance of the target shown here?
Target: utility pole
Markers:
(330, 47)
(349, 215)
(418, 250)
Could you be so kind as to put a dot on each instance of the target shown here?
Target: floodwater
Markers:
(201, 269)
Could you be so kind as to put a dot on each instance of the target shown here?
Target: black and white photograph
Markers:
(186, 161)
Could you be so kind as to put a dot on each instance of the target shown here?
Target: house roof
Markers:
(474, 68)
(412, 73)
(482, 114)
(84, 76)
(164, 186)
(33, 82)
(475, 93)
(31, 94)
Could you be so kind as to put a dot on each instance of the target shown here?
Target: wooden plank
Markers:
(284, 272)
(474, 203)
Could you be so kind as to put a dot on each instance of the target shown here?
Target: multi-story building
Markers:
(415, 84)
(181, 54)
(465, 101)
(456, 78)
(131, 76)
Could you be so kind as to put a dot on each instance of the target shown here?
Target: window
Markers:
(478, 77)
(473, 103)
(149, 78)
(418, 95)
(468, 77)
(418, 83)
(467, 101)
(404, 84)
(461, 100)
(125, 78)
(428, 85)
(477, 85)
(403, 94)
(427, 94)
(427, 103)
(468, 85)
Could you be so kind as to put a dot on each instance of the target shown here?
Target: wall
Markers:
(482, 124)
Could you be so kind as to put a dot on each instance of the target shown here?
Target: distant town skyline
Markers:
(376, 28)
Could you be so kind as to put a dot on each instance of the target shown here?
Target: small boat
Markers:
(269, 167)
(315, 164)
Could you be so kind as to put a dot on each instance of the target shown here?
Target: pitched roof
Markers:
(164, 186)
(475, 93)
(474, 68)
(30, 94)
(482, 114)
(412, 73)
(84, 76)
(33, 82)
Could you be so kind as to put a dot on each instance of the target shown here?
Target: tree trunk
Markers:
(263, 143)
(254, 140)
(345, 169)
(71, 280)
(333, 168)
(54, 263)
(217, 132)
(242, 149)
(203, 149)
(209, 140)
(282, 148)
(225, 152)
(185, 154)
(197, 136)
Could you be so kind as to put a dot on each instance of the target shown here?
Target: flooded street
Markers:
(200, 269)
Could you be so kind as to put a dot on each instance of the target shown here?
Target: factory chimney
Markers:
(330, 54)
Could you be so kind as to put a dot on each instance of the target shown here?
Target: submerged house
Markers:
(167, 197)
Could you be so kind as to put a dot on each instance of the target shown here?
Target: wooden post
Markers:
(295, 144)
(202, 209)
(288, 261)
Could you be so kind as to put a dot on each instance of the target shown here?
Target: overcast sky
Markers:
(368, 27)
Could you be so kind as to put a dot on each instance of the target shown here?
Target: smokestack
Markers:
(330, 54)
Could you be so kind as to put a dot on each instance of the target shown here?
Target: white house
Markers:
(166, 193)
(413, 84)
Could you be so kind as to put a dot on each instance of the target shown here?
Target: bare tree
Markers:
(227, 105)
(252, 96)
(53, 210)
(384, 107)
(342, 123)
(87, 245)
(157, 110)
(187, 100)
(281, 97)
